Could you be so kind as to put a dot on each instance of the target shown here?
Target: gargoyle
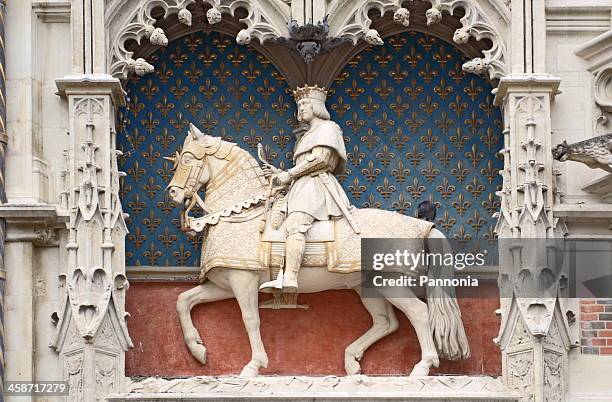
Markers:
(595, 152)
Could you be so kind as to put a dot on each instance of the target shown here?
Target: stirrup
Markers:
(287, 288)
(290, 289)
(275, 285)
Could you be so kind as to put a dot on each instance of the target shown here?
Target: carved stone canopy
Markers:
(474, 29)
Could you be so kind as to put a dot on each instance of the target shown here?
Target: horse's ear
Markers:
(194, 132)
(565, 143)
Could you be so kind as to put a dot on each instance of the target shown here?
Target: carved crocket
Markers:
(595, 152)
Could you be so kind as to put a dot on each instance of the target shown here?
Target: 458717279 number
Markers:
(43, 388)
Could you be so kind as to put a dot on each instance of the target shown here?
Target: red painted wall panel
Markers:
(299, 342)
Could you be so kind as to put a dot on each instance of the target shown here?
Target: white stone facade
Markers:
(553, 60)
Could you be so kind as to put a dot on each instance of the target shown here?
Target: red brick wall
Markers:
(306, 342)
(596, 326)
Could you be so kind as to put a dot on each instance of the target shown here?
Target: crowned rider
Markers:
(314, 193)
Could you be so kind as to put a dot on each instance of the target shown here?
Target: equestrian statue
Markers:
(294, 231)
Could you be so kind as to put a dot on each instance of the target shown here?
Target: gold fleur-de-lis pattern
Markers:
(419, 128)
(416, 128)
(226, 90)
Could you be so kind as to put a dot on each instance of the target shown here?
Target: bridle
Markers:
(187, 177)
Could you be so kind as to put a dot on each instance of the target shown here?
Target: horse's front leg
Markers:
(245, 285)
(207, 292)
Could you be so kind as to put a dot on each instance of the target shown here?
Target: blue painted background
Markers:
(416, 127)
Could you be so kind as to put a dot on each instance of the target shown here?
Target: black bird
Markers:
(426, 210)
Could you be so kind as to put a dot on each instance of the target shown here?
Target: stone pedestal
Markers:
(289, 388)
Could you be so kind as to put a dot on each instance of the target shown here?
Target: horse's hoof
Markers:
(352, 367)
(435, 362)
(250, 370)
(421, 369)
(199, 352)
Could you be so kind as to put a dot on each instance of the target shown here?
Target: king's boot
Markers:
(294, 252)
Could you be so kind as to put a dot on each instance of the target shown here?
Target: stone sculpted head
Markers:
(561, 151)
(433, 16)
(311, 103)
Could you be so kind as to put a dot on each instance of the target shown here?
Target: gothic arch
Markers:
(131, 21)
(327, 67)
(445, 152)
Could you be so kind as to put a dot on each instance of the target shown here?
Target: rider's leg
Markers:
(297, 225)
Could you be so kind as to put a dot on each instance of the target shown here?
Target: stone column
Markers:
(25, 232)
(3, 142)
(308, 11)
(92, 335)
(534, 334)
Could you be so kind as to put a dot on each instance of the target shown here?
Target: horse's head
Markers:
(228, 173)
(191, 166)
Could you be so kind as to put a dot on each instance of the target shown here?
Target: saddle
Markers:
(320, 232)
(319, 242)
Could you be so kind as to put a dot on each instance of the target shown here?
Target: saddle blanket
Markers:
(332, 244)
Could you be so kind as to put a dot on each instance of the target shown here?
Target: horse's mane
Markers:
(226, 148)
(217, 146)
(201, 144)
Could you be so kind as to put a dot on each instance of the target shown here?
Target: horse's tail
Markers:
(444, 314)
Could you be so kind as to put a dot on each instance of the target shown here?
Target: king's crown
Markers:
(311, 92)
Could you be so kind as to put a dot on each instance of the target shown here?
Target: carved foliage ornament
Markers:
(141, 25)
(89, 292)
(268, 19)
(474, 25)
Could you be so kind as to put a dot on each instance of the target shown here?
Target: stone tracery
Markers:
(267, 20)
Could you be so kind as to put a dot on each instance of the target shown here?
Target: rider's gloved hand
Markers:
(283, 178)
(269, 170)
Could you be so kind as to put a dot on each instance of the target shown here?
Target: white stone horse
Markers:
(233, 184)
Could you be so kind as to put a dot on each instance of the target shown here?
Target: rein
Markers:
(192, 194)
(211, 218)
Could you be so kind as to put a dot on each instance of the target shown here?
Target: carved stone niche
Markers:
(598, 55)
(596, 152)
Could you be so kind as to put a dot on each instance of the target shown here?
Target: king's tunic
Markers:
(320, 150)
